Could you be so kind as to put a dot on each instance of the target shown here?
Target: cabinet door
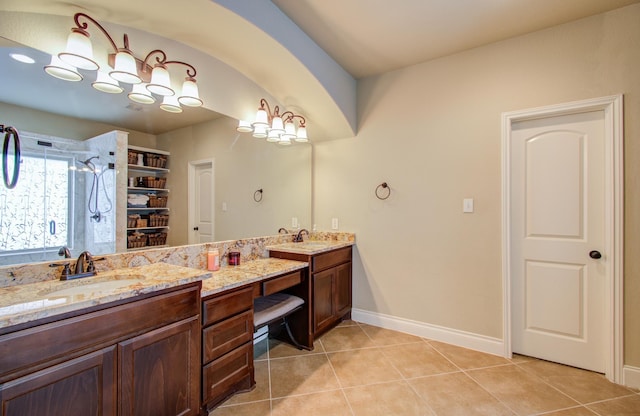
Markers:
(323, 306)
(343, 289)
(84, 386)
(159, 370)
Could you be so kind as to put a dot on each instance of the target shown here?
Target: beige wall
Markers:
(432, 131)
(242, 165)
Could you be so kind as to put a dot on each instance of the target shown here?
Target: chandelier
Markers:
(148, 77)
(275, 127)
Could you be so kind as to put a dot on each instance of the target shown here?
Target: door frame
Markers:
(191, 202)
(614, 210)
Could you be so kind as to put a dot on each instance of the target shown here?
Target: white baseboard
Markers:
(631, 376)
(464, 339)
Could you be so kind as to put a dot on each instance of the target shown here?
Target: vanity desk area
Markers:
(106, 344)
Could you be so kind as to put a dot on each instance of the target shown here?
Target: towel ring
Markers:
(257, 195)
(383, 185)
(10, 132)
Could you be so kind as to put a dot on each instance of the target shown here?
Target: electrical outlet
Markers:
(467, 205)
(334, 223)
(294, 222)
(224, 207)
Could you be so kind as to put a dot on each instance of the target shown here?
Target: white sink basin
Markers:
(95, 287)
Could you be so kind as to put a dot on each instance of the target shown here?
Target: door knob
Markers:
(195, 228)
(595, 254)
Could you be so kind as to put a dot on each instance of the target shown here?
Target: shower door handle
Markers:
(52, 227)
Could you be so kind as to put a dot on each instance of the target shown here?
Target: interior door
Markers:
(558, 272)
(202, 201)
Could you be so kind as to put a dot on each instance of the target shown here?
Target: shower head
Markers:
(89, 165)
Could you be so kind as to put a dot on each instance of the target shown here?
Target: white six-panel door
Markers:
(558, 273)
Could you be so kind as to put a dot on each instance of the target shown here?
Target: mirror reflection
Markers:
(76, 187)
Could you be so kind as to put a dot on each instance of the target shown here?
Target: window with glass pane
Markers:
(35, 214)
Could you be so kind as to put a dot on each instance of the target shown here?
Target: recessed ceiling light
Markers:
(22, 58)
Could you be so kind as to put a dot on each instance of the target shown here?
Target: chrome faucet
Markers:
(298, 237)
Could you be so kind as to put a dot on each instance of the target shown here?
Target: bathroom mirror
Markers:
(241, 164)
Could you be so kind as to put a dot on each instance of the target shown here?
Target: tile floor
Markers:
(358, 369)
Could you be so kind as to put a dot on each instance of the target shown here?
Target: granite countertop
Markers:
(29, 302)
(310, 247)
(230, 277)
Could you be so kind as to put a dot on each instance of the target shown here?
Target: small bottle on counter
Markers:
(213, 260)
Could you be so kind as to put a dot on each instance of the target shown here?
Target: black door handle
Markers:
(195, 228)
(595, 254)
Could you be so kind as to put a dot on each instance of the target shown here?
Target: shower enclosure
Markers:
(66, 196)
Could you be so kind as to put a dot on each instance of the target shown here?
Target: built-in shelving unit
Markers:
(148, 225)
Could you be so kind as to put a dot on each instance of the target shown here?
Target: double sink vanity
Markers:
(158, 339)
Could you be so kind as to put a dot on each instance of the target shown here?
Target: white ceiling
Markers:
(368, 37)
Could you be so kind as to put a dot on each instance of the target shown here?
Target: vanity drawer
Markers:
(226, 335)
(330, 259)
(221, 307)
(220, 376)
(280, 283)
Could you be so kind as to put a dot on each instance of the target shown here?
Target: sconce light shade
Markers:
(285, 141)
(301, 136)
(160, 81)
(106, 84)
(140, 94)
(190, 96)
(79, 51)
(262, 119)
(260, 131)
(62, 70)
(170, 104)
(273, 136)
(276, 125)
(289, 131)
(244, 127)
(125, 69)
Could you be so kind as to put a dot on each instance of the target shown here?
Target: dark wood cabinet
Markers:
(84, 386)
(156, 371)
(134, 357)
(227, 345)
(330, 288)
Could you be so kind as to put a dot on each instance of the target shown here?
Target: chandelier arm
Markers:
(191, 71)
(291, 116)
(82, 27)
(160, 60)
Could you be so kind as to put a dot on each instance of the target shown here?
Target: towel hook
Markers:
(257, 195)
(383, 185)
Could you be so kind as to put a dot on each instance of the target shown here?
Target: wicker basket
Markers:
(158, 220)
(136, 240)
(132, 157)
(156, 201)
(157, 239)
(153, 182)
(155, 160)
(132, 220)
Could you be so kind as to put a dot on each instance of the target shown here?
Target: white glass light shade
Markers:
(273, 136)
(301, 136)
(62, 70)
(170, 104)
(189, 95)
(125, 68)
(160, 81)
(289, 131)
(262, 119)
(244, 127)
(260, 131)
(140, 94)
(285, 141)
(79, 51)
(106, 84)
(277, 125)
(22, 58)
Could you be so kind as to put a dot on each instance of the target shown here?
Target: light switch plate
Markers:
(224, 206)
(467, 205)
(294, 222)
(334, 223)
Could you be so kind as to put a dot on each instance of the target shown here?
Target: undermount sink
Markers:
(94, 288)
